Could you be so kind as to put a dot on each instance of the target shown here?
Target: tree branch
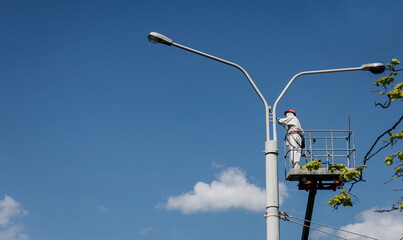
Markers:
(384, 105)
(368, 156)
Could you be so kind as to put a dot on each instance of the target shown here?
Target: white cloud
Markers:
(15, 232)
(385, 226)
(231, 190)
(9, 210)
(146, 231)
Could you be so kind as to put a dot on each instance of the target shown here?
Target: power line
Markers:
(339, 229)
(287, 219)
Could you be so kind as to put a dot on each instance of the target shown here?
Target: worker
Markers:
(295, 136)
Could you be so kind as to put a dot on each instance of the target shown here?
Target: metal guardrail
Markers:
(330, 146)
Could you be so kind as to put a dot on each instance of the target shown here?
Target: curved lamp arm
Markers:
(159, 38)
(363, 67)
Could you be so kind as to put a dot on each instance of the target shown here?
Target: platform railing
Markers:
(330, 146)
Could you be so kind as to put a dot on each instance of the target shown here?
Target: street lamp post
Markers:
(271, 146)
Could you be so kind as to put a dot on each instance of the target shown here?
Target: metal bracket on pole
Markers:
(271, 147)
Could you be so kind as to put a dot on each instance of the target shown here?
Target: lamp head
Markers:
(159, 38)
(375, 68)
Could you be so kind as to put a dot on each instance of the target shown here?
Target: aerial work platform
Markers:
(330, 147)
(322, 174)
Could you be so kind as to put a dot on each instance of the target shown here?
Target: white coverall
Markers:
(294, 139)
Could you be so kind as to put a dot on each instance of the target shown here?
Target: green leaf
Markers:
(312, 165)
(360, 168)
(395, 62)
(384, 81)
(396, 136)
(341, 199)
(398, 170)
(351, 174)
(336, 167)
(389, 160)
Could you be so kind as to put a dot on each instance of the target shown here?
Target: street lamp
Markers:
(271, 146)
(159, 38)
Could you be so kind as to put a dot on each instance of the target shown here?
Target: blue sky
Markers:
(100, 128)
